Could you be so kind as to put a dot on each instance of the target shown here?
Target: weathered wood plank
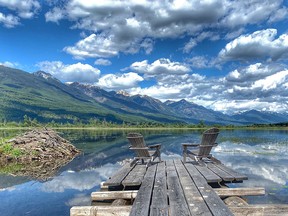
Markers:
(178, 205)
(142, 201)
(208, 174)
(222, 192)
(117, 178)
(110, 195)
(100, 211)
(224, 175)
(261, 210)
(159, 203)
(235, 201)
(135, 177)
(195, 201)
(215, 204)
(236, 175)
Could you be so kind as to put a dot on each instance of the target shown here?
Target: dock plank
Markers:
(142, 201)
(159, 203)
(135, 177)
(236, 175)
(210, 176)
(195, 201)
(117, 178)
(178, 205)
(224, 175)
(214, 202)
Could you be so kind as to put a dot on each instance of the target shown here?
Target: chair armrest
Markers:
(190, 144)
(138, 148)
(155, 146)
(215, 144)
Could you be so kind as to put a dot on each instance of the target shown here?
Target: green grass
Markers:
(8, 149)
(10, 168)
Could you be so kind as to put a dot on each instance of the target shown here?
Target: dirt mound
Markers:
(43, 152)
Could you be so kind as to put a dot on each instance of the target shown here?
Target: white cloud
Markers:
(9, 64)
(9, 21)
(249, 12)
(190, 45)
(281, 14)
(258, 86)
(124, 81)
(159, 92)
(260, 44)
(104, 62)
(25, 9)
(70, 73)
(199, 38)
(54, 15)
(130, 26)
(160, 66)
(201, 62)
(272, 81)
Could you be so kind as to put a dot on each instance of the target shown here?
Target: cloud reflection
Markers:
(83, 180)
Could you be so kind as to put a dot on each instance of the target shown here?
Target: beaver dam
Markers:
(39, 154)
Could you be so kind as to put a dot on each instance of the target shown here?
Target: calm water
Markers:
(261, 154)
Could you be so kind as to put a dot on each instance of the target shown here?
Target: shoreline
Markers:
(146, 128)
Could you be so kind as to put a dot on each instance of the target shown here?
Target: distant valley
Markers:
(41, 96)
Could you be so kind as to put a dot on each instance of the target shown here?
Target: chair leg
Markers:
(148, 163)
(134, 161)
(184, 153)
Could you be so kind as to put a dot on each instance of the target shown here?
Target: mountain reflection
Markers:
(262, 155)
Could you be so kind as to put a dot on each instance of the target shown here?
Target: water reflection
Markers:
(262, 155)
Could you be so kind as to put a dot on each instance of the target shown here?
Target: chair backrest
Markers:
(137, 141)
(208, 140)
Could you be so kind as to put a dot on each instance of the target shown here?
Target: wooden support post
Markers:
(222, 192)
(111, 195)
(100, 211)
(269, 209)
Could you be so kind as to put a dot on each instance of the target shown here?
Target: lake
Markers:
(260, 154)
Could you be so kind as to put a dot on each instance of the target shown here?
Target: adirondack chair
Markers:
(203, 149)
(139, 146)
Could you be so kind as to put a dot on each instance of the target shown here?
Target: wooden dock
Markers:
(175, 188)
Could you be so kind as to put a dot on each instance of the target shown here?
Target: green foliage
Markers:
(8, 149)
(10, 168)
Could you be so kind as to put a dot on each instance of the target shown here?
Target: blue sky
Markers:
(226, 55)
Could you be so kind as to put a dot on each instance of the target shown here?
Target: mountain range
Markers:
(39, 95)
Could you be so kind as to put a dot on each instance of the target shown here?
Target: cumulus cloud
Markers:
(131, 26)
(25, 9)
(117, 82)
(70, 73)
(54, 15)
(257, 86)
(160, 66)
(104, 62)
(249, 12)
(258, 45)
